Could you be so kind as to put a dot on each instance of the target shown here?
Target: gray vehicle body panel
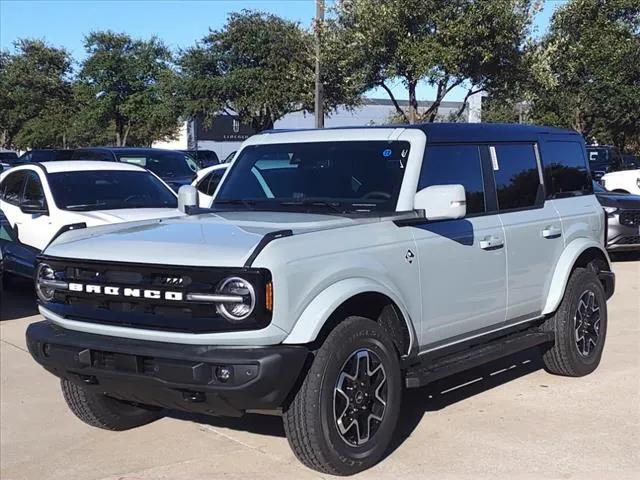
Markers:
(449, 287)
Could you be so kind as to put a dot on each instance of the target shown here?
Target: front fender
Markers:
(563, 270)
(326, 302)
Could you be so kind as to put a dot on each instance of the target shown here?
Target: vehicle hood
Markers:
(622, 201)
(102, 217)
(225, 239)
(624, 173)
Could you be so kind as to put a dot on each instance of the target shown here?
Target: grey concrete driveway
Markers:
(508, 420)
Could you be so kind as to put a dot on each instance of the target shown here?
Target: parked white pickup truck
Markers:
(623, 181)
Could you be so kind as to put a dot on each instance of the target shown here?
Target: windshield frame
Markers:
(400, 150)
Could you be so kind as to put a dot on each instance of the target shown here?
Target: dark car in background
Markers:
(176, 168)
(205, 158)
(8, 159)
(45, 155)
(623, 219)
(606, 158)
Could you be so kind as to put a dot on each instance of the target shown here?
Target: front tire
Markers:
(579, 325)
(342, 419)
(104, 412)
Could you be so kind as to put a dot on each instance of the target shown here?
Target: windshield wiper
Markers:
(310, 202)
(86, 206)
(237, 201)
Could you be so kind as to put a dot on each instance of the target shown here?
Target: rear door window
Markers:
(456, 164)
(11, 187)
(565, 170)
(209, 183)
(33, 191)
(517, 178)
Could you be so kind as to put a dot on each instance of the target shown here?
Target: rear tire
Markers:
(579, 325)
(104, 412)
(354, 381)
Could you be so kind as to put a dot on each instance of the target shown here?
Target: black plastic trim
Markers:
(266, 240)
(64, 229)
(176, 376)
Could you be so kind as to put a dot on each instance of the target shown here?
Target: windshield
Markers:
(109, 190)
(339, 176)
(163, 164)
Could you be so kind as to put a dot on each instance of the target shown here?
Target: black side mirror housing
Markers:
(34, 208)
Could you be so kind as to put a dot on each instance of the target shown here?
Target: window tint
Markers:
(565, 170)
(109, 190)
(209, 184)
(12, 188)
(358, 175)
(455, 164)
(165, 164)
(516, 174)
(33, 192)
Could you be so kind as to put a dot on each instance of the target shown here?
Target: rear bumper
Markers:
(175, 376)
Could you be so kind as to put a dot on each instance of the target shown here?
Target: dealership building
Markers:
(226, 132)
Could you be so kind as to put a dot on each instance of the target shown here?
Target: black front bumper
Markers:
(169, 375)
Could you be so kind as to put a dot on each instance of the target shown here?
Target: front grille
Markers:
(630, 218)
(151, 313)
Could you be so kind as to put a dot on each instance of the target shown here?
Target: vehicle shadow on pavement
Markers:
(447, 391)
(18, 301)
(415, 404)
(251, 422)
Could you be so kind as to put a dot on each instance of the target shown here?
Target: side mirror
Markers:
(442, 202)
(187, 198)
(34, 208)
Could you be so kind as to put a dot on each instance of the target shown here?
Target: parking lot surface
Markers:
(507, 420)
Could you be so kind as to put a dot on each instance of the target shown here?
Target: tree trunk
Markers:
(401, 112)
(413, 102)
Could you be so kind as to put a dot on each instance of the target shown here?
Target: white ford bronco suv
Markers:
(334, 269)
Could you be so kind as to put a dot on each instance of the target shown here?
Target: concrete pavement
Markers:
(508, 420)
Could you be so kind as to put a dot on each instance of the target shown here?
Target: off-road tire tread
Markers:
(558, 358)
(300, 430)
(99, 411)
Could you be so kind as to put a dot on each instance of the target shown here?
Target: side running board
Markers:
(434, 369)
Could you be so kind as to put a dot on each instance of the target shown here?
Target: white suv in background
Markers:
(624, 181)
(41, 200)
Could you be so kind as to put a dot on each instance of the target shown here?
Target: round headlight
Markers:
(242, 299)
(44, 272)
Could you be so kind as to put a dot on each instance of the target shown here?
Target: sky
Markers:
(179, 23)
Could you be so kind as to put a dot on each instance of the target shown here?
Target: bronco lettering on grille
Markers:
(126, 292)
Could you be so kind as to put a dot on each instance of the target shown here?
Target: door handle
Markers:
(551, 232)
(491, 242)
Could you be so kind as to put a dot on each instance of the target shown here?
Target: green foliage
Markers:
(259, 66)
(586, 71)
(445, 43)
(130, 87)
(34, 84)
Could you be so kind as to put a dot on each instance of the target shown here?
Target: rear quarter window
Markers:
(565, 170)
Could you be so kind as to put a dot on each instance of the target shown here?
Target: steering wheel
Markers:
(132, 197)
(376, 194)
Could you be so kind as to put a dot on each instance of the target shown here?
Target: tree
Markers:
(34, 81)
(258, 66)
(587, 71)
(445, 43)
(129, 85)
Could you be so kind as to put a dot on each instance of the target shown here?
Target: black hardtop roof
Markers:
(469, 132)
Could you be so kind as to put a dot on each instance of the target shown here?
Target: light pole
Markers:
(319, 104)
